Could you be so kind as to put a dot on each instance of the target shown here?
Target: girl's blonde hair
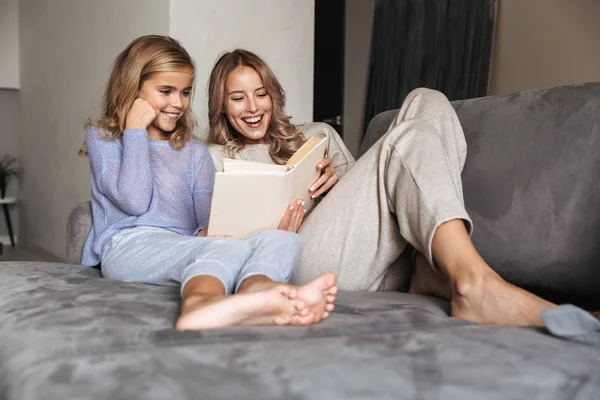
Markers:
(143, 57)
(282, 137)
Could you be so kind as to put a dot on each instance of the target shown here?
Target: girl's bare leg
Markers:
(259, 301)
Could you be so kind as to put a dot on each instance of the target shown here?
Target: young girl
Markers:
(406, 189)
(151, 195)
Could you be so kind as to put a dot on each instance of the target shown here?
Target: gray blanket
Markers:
(66, 333)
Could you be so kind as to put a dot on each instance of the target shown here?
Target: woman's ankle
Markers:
(472, 281)
(428, 282)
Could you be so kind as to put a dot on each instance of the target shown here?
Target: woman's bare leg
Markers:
(478, 293)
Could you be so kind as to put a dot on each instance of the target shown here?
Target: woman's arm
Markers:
(121, 169)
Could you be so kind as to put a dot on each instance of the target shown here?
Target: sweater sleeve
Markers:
(121, 169)
(203, 187)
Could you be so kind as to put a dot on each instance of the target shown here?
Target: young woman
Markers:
(406, 189)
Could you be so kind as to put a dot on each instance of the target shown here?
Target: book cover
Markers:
(249, 197)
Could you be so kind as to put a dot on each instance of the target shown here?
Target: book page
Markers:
(306, 148)
(231, 165)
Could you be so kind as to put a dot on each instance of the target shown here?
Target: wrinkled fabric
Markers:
(572, 323)
(67, 333)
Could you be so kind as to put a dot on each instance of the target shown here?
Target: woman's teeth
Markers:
(253, 120)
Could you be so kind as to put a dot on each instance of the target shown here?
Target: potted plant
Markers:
(8, 170)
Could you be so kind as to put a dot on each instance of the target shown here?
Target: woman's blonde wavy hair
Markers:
(282, 137)
(143, 57)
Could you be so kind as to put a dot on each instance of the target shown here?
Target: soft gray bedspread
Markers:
(66, 333)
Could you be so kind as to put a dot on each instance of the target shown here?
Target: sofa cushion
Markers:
(66, 333)
(530, 184)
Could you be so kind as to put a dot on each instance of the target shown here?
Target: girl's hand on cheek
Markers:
(141, 115)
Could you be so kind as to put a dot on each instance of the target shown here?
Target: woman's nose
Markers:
(251, 106)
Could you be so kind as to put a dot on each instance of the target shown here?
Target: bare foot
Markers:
(319, 296)
(494, 301)
(275, 304)
(428, 282)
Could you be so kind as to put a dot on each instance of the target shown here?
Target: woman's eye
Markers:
(165, 91)
(186, 94)
(261, 94)
(237, 98)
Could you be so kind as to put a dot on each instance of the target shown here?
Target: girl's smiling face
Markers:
(169, 93)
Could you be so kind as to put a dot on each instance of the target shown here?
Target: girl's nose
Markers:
(177, 102)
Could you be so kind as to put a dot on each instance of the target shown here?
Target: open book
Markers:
(249, 197)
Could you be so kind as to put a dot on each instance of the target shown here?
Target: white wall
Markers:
(544, 43)
(279, 31)
(359, 24)
(67, 48)
(9, 44)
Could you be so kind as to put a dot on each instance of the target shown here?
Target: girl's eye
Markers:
(165, 91)
(237, 98)
(261, 94)
(186, 94)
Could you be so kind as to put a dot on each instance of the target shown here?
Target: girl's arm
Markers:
(203, 187)
(121, 169)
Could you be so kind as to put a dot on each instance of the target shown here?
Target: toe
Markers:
(303, 320)
(303, 312)
(329, 307)
(299, 304)
(292, 292)
(330, 278)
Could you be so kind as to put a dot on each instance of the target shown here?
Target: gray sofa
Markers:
(530, 187)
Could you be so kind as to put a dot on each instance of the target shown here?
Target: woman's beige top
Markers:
(341, 159)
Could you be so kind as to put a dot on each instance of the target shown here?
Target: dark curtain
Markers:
(438, 44)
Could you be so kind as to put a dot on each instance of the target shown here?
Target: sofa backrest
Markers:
(531, 186)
